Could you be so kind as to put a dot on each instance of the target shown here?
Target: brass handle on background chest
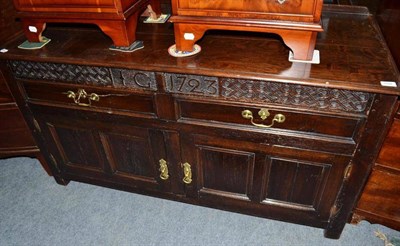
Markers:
(82, 94)
(163, 170)
(187, 173)
(264, 114)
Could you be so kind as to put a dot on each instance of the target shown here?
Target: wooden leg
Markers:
(33, 30)
(302, 43)
(156, 6)
(122, 33)
(186, 36)
(332, 233)
(44, 164)
(61, 181)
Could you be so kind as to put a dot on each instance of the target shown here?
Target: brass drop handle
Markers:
(163, 170)
(264, 114)
(82, 94)
(187, 173)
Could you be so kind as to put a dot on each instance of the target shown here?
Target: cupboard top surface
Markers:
(353, 53)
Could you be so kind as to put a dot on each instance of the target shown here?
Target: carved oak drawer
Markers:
(88, 97)
(266, 117)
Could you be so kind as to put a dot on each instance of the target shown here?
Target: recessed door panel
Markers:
(129, 155)
(296, 182)
(226, 172)
(77, 147)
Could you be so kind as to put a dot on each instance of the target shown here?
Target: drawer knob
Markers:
(264, 114)
(82, 94)
(163, 170)
(281, 1)
(187, 173)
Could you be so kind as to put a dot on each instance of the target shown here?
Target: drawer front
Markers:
(64, 3)
(256, 118)
(269, 9)
(390, 152)
(282, 6)
(85, 97)
(65, 6)
(380, 197)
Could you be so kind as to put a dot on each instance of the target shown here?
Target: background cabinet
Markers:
(16, 138)
(378, 203)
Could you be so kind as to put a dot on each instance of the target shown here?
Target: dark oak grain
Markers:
(348, 57)
(189, 112)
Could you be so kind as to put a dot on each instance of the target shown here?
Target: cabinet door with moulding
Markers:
(266, 180)
(91, 144)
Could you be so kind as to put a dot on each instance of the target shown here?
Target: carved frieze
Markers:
(295, 95)
(318, 98)
(79, 74)
(134, 79)
(61, 72)
(191, 84)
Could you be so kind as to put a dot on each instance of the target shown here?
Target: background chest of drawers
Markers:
(116, 18)
(193, 129)
(296, 21)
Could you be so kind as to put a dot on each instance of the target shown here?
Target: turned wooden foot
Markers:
(33, 30)
(302, 43)
(186, 35)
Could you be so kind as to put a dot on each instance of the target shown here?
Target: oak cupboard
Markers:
(250, 133)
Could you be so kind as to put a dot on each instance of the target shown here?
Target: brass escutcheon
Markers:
(187, 173)
(163, 170)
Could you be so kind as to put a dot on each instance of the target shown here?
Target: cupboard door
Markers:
(137, 156)
(82, 145)
(247, 176)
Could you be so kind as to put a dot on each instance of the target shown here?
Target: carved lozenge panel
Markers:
(78, 74)
(61, 72)
(295, 95)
